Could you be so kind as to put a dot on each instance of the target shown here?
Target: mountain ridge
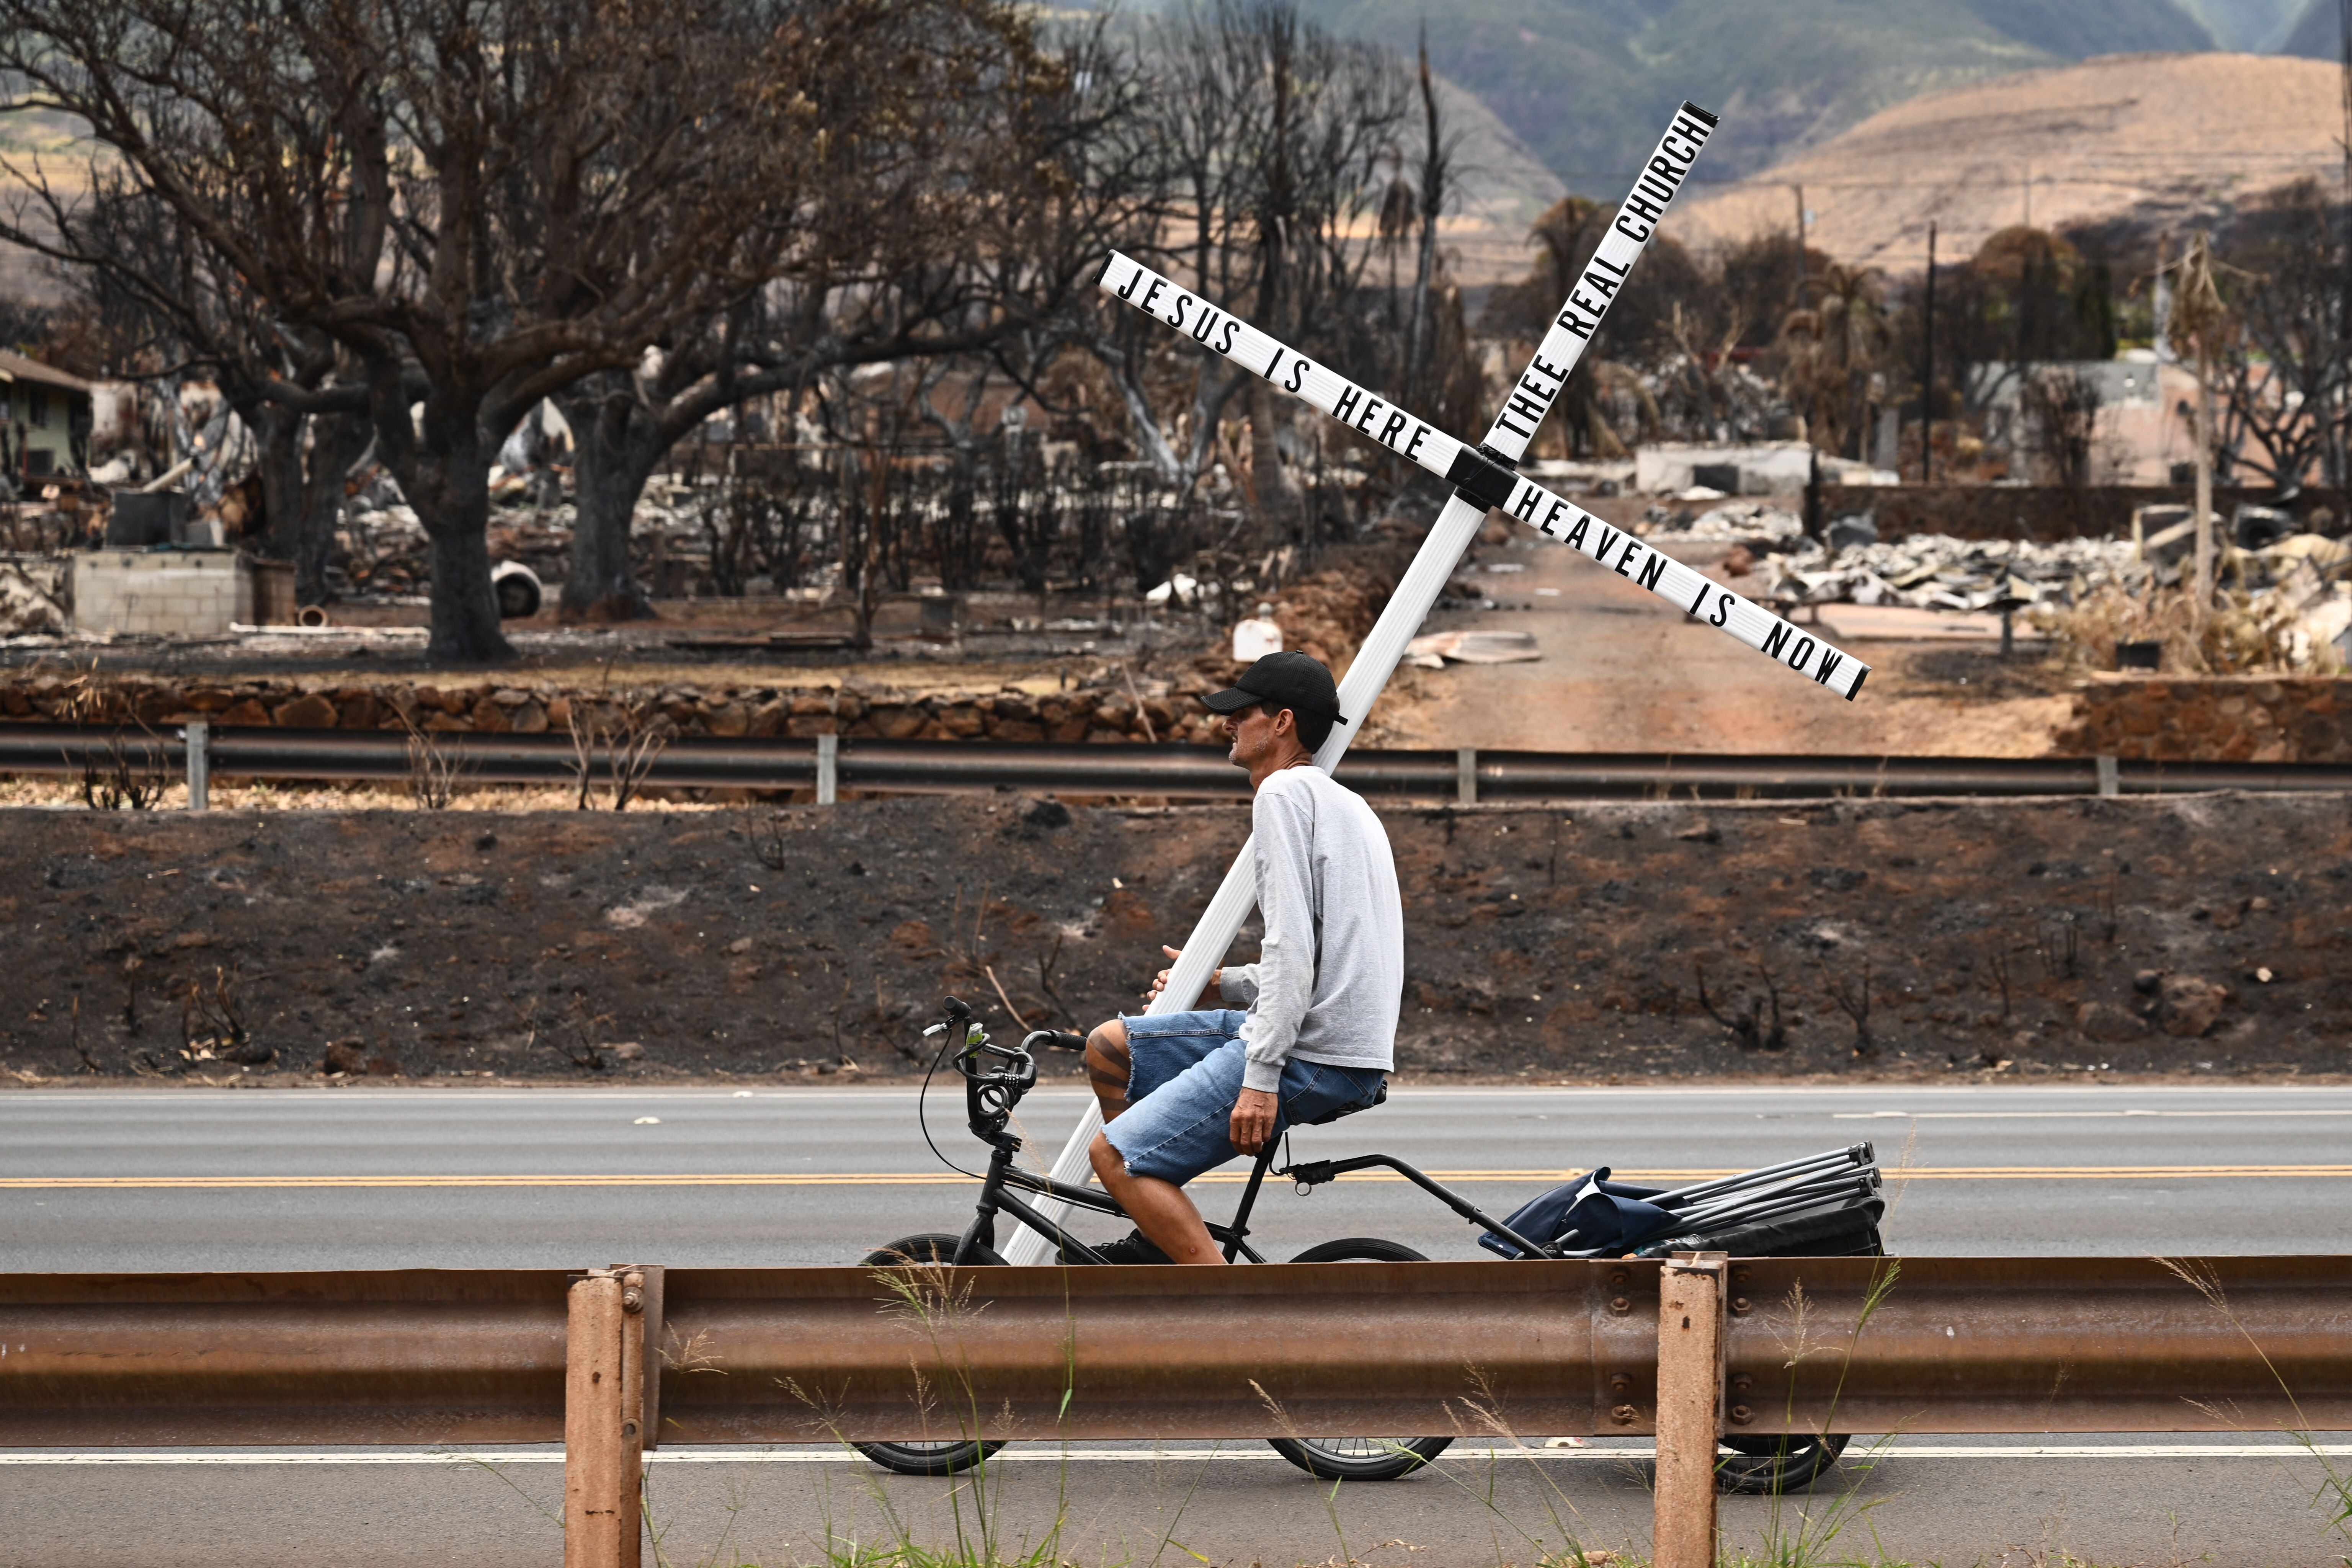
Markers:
(1817, 68)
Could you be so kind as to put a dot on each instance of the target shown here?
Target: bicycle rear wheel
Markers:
(944, 1457)
(1776, 1464)
(1360, 1458)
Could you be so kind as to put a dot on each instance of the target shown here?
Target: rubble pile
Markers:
(1328, 613)
(27, 604)
(1751, 523)
(1851, 564)
(1936, 572)
(381, 551)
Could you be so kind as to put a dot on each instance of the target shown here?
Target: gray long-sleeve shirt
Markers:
(1330, 978)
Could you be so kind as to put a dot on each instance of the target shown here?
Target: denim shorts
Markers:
(1187, 1077)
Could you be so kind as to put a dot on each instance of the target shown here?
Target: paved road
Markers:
(385, 1179)
(179, 1180)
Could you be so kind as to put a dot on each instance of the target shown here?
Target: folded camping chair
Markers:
(1824, 1206)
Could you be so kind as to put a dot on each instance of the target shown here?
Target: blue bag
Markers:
(1606, 1215)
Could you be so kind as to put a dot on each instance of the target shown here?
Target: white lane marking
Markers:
(1232, 1178)
(2061, 1115)
(1245, 1450)
(312, 1102)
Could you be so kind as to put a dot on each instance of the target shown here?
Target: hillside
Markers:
(2170, 138)
(1589, 84)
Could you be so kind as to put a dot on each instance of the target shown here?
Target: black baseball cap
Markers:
(1291, 681)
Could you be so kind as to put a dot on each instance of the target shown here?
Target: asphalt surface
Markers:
(130, 1180)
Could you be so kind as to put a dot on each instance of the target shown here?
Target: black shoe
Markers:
(1132, 1247)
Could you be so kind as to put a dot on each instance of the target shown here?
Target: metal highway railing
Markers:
(1689, 1349)
(1166, 772)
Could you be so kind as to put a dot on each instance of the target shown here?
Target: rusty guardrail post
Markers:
(1690, 1408)
(196, 743)
(828, 769)
(603, 1430)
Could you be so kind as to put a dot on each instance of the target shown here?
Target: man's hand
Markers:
(1253, 1120)
(1159, 982)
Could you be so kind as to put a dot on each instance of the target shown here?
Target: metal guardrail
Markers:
(800, 1356)
(1167, 772)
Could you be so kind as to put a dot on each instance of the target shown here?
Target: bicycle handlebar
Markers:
(990, 1091)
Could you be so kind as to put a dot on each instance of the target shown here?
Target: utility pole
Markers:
(2164, 352)
(2198, 310)
(1801, 241)
(1928, 373)
(2344, 23)
(2204, 480)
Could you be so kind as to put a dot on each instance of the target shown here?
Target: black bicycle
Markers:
(1823, 1206)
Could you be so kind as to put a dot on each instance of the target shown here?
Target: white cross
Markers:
(1483, 479)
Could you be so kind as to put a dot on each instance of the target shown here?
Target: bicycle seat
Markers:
(1380, 1099)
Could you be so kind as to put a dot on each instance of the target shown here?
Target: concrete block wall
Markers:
(184, 592)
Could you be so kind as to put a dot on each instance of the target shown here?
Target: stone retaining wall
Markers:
(2225, 719)
(1089, 713)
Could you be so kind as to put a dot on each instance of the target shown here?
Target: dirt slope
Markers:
(2198, 935)
(2161, 135)
(1624, 672)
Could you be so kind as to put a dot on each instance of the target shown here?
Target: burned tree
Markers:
(493, 200)
(975, 221)
(1269, 135)
(2060, 406)
(1650, 329)
(2285, 372)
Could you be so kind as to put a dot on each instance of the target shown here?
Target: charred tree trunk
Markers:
(1279, 499)
(278, 433)
(615, 447)
(464, 617)
(337, 441)
(1437, 170)
(444, 470)
(1148, 437)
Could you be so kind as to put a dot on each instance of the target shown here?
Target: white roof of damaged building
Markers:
(16, 367)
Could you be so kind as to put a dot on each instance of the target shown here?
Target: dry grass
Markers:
(57, 794)
(2244, 635)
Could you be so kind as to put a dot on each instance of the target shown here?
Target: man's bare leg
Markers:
(1109, 1067)
(1159, 1209)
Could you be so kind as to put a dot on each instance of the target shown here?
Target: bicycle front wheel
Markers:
(944, 1457)
(1360, 1458)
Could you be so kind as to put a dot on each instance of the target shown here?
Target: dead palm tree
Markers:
(1831, 347)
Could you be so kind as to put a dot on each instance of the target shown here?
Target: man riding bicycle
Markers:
(1316, 1025)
